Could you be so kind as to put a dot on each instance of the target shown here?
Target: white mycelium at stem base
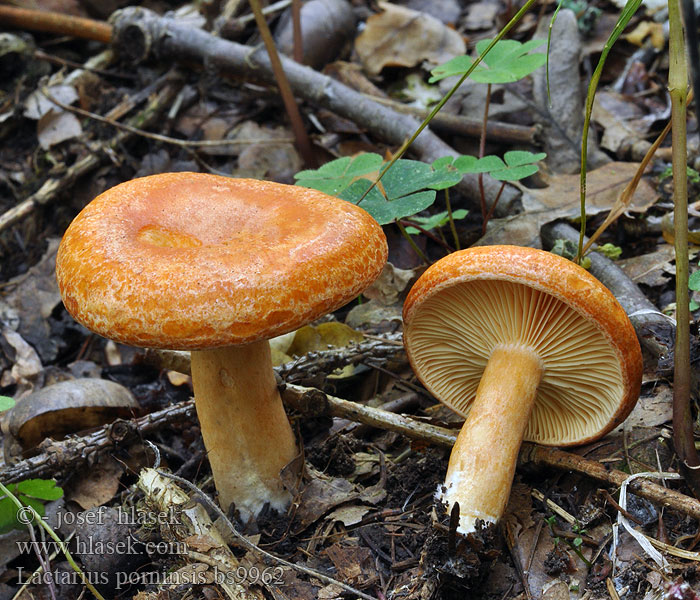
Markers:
(246, 432)
(482, 463)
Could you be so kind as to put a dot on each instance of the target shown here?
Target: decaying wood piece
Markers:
(140, 33)
(194, 522)
(655, 331)
(60, 459)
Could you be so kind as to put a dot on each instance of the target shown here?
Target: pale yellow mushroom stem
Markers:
(245, 429)
(482, 463)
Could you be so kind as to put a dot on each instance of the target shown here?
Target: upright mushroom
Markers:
(218, 266)
(526, 345)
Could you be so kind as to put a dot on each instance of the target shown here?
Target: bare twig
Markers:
(51, 22)
(59, 459)
(158, 137)
(305, 367)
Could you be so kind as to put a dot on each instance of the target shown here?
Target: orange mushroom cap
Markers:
(193, 261)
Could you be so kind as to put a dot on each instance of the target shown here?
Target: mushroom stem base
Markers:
(246, 432)
(483, 459)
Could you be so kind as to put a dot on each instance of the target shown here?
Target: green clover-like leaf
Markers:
(408, 187)
(506, 62)
(336, 175)
(42, 489)
(6, 403)
(517, 165)
(437, 220)
(694, 281)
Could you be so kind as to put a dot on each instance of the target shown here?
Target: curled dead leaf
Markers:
(401, 37)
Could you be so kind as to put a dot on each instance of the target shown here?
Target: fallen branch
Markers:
(60, 458)
(139, 34)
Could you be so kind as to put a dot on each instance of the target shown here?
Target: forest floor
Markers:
(364, 521)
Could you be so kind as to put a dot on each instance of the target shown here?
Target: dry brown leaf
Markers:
(652, 409)
(651, 269)
(97, 485)
(401, 37)
(321, 495)
(390, 283)
(27, 364)
(54, 125)
(654, 31)
(352, 563)
(560, 199)
(350, 514)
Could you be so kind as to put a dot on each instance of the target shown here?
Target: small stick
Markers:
(51, 22)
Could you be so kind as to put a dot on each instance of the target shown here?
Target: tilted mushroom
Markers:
(525, 345)
(218, 266)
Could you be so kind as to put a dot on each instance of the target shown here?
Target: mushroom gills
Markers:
(458, 329)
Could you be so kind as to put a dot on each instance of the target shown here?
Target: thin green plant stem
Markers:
(624, 18)
(453, 227)
(411, 243)
(678, 90)
(493, 207)
(290, 104)
(54, 536)
(438, 239)
(438, 107)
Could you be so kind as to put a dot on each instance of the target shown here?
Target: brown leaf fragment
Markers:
(353, 563)
(560, 199)
(653, 269)
(27, 364)
(401, 37)
(201, 543)
(98, 485)
(321, 495)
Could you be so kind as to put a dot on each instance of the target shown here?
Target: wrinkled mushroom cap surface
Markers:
(194, 261)
(471, 301)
